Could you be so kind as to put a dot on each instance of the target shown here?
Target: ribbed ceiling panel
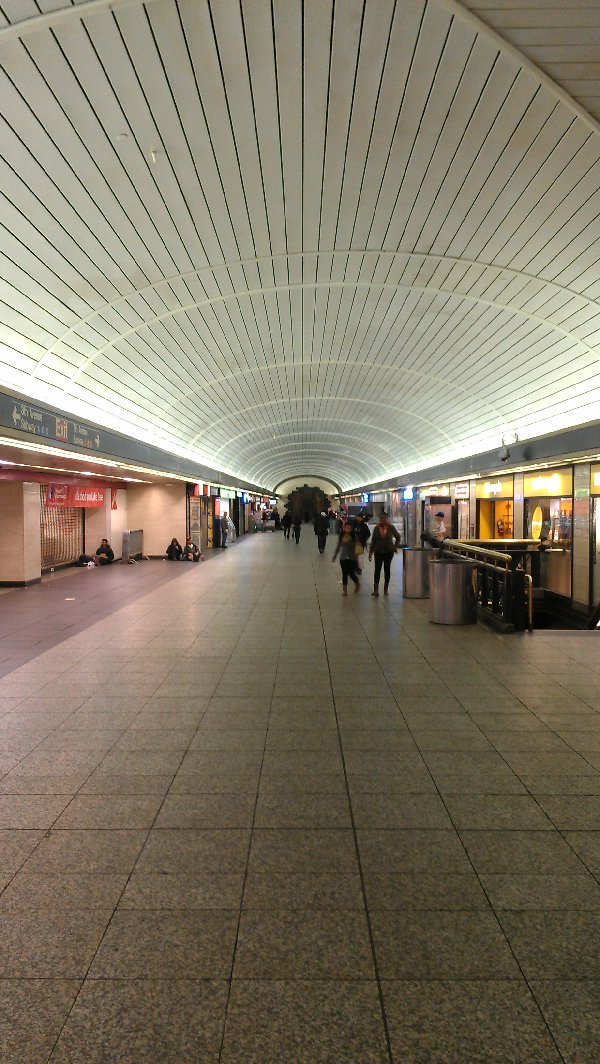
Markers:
(350, 238)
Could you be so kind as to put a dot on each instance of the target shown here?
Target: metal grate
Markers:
(61, 531)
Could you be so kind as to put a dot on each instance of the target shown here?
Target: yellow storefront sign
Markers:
(494, 488)
(551, 484)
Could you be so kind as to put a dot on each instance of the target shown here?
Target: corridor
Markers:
(244, 819)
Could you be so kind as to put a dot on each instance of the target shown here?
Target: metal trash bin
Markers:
(415, 572)
(452, 590)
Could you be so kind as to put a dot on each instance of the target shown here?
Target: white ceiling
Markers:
(346, 239)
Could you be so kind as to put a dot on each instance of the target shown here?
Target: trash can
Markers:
(452, 590)
(415, 572)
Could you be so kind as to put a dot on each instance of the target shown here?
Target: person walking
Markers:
(384, 544)
(286, 524)
(346, 548)
(363, 535)
(297, 523)
(321, 530)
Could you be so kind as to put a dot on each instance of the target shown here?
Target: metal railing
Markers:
(503, 589)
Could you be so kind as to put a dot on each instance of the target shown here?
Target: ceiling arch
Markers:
(360, 237)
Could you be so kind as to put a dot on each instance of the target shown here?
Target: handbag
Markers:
(359, 549)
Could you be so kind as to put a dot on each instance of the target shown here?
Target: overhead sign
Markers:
(461, 491)
(37, 422)
(408, 494)
(71, 495)
(495, 488)
(555, 483)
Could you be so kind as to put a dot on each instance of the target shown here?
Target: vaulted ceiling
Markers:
(292, 237)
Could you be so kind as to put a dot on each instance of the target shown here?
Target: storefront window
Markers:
(552, 517)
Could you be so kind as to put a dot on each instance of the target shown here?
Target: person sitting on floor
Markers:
(174, 550)
(105, 554)
(191, 553)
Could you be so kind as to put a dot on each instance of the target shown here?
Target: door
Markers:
(596, 552)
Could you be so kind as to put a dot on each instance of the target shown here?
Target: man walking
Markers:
(321, 530)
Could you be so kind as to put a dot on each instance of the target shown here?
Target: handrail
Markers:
(503, 590)
(497, 555)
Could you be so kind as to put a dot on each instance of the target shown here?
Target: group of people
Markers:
(188, 553)
(352, 542)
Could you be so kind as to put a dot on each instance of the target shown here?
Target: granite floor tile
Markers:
(25, 811)
(315, 738)
(496, 781)
(42, 785)
(390, 782)
(303, 782)
(312, 852)
(237, 738)
(441, 945)
(53, 944)
(315, 1022)
(522, 892)
(494, 812)
(422, 890)
(144, 1020)
(191, 851)
(160, 891)
(297, 891)
(142, 763)
(101, 783)
(555, 945)
(104, 852)
(413, 850)
(302, 811)
(545, 785)
(207, 811)
(281, 762)
(32, 1014)
(110, 811)
(172, 945)
(586, 845)
(59, 891)
(572, 813)
(303, 944)
(216, 781)
(399, 811)
(516, 852)
(466, 1022)
(571, 1009)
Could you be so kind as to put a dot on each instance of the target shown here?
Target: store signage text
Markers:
(37, 422)
(71, 495)
(461, 491)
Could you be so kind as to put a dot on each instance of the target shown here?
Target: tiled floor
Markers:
(244, 819)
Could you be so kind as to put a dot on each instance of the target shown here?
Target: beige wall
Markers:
(20, 558)
(119, 521)
(160, 509)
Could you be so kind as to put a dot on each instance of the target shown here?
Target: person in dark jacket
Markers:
(191, 553)
(321, 530)
(297, 523)
(346, 548)
(174, 550)
(104, 554)
(286, 524)
(363, 535)
(384, 544)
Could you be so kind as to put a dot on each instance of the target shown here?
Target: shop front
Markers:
(548, 499)
(595, 532)
(461, 494)
(495, 508)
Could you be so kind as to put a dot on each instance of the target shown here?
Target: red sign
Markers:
(75, 495)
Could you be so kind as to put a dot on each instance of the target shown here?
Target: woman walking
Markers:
(346, 548)
(384, 544)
